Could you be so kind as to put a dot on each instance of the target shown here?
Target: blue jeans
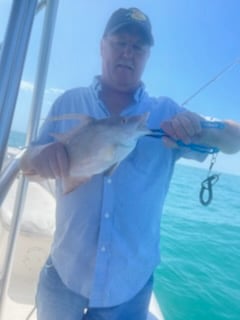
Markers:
(56, 302)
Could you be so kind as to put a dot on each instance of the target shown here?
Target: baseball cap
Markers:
(132, 16)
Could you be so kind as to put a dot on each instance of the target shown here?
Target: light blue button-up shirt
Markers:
(106, 243)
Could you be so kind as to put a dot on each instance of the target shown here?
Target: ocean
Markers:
(199, 274)
(16, 139)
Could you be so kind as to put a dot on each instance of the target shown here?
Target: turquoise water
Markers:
(16, 139)
(199, 276)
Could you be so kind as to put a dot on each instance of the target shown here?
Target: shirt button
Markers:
(103, 248)
(106, 215)
(109, 180)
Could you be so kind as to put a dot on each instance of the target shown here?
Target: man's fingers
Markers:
(169, 143)
(50, 161)
(184, 126)
(62, 162)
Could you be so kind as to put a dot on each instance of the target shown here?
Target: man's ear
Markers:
(102, 44)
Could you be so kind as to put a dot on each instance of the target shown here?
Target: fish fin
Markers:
(33, 177)
(83, 118)
(111, 170)
(65, 137)
(70, 183)
(61, 137)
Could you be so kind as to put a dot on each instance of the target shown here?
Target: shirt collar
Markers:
(138, 95)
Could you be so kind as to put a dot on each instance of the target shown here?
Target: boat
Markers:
(25, 232)
(32, 249)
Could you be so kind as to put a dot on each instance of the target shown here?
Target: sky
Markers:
(194, 41)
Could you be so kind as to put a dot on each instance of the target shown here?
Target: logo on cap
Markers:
(138, 15)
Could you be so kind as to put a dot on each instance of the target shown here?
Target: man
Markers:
(106, 244)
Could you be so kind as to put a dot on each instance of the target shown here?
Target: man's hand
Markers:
(48, 161)
(184, 126)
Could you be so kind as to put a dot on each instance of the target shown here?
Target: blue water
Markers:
(16, 139)
(199, 276)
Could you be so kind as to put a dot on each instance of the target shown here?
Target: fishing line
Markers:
(212, 80)
(206, 191)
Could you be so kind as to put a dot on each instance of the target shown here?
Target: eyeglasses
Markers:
(119, 46)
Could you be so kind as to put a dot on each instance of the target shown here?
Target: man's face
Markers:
(124, 55)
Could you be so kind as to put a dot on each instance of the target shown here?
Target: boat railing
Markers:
(8, 175)
(13, 54)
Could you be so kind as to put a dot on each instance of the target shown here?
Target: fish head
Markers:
(126, 130)
(135, 126)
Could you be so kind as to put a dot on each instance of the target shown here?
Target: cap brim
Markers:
(146, 32)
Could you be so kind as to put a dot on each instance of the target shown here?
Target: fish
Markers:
(99, 146)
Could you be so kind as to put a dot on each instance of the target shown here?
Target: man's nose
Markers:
(128, 50)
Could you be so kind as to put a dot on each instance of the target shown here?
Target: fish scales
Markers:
(98, 146)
